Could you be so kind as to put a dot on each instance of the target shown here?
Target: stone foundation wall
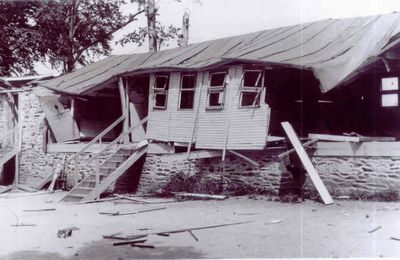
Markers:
(270, 177)
(358, 175)
(342, 175)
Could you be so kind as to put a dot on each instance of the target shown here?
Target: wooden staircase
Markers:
(110, 171)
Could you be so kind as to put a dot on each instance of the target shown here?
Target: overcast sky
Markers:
(221, 18)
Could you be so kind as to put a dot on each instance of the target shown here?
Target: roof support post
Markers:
(124, 108)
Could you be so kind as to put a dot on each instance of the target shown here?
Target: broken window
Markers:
(187, 90)
(389, 92)
(216, 90)
(160, 89)
(250, 89)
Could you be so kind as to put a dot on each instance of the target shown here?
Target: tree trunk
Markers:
(151, 25)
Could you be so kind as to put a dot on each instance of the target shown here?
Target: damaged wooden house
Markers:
(212, 111)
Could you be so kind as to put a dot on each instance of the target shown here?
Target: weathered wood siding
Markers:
(247, 126)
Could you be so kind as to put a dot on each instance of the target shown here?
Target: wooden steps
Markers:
(110, 171)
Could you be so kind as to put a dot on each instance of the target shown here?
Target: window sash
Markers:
(216, 89)
(251, 89)
(164, 87)
(258, 81)
(217, 73)
(160, 93)
(194, 80)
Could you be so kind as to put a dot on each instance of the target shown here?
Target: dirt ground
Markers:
(307, 229)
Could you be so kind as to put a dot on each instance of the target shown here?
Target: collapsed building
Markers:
(214, 110)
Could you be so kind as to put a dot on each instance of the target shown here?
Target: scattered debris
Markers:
(342, 197)
(129, 242)
(36, 210)
(7, 189)
(375, 229)
(129, 213)
(26, 188)
(163, 234)
(191, 233)
(184, 195)
(167, 233)
(276, 221)
(24, 225)
(143, 246)
(66, 232)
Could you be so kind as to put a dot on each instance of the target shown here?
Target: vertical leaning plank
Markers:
(123, 107)
(305, 160)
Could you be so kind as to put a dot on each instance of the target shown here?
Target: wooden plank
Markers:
(199, 196)
(60, 120)
(337, 138)
(138, 134)
(380, 149)
(202, 154)
(160, 148)
(241, 156)
(74, 148)
(319, 185)
(306, 144)
(124, 107)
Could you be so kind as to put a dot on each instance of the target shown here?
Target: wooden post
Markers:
(123, 107)
(97, 172)
(196, 115)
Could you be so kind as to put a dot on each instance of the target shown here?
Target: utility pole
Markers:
(185, 28)
(151, 25)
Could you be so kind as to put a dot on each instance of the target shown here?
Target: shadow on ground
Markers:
(104, 250)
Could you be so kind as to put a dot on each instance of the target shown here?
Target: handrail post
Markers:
(97, 172)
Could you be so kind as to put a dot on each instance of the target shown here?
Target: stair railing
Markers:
(14, 133)
(98, 139)
(115, 142)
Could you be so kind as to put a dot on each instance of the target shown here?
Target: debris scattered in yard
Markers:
(133, 238)
(184, 195)
(375, 229)
(66, 232)
(343, 197)
(23, 225)
(37, 210)
(129, 213)
(276, 221)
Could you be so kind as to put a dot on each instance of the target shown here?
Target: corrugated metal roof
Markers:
(335, 49)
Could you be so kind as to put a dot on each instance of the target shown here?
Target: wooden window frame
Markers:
(182, 90)
(251, 89)
(216, 89)
(390, 92)
(160, 91)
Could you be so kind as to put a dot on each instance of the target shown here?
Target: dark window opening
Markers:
(187, 91)
(251, 88)
(160, 88)
(216, 91)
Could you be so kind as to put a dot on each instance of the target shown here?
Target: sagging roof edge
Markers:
(224, 62)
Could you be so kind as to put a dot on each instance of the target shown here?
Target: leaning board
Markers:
(305, 160)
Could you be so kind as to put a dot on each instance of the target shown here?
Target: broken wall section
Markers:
(34, 163)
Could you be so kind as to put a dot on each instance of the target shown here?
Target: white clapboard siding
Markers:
(158, 122)
(247, 126)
